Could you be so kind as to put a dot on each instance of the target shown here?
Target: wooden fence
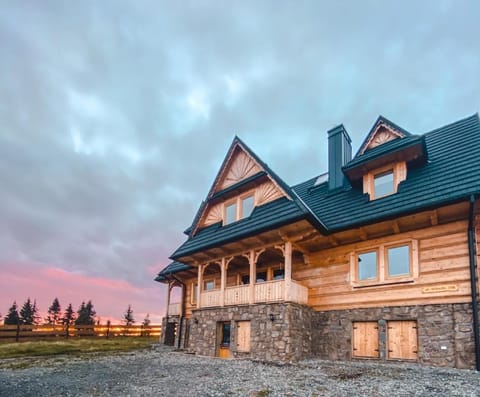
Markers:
(48, 332)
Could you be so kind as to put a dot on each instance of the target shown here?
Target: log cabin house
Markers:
(375, 259)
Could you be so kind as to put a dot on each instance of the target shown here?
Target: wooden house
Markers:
(375, 259)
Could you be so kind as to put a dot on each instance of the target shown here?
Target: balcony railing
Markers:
(269, 291)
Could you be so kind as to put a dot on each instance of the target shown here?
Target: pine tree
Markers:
(35, 315)
(128, 316)
(69, 316)
(54, 313)
(86, 314)
(12, 318)
(146, 320)
(27, 314)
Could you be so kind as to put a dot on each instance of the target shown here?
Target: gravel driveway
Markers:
(163, 372)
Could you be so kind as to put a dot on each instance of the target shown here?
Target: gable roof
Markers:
(452, 173)
(389, 125)
(216, 190)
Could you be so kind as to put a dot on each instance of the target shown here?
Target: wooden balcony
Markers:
(270, 291)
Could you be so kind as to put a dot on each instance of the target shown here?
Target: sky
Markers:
(115, 117)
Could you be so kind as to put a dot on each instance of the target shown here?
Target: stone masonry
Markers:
(286, 338)
(445, 332)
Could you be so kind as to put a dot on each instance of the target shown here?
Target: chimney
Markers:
(339, 153)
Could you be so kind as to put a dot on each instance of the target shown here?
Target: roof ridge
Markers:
(475, 115)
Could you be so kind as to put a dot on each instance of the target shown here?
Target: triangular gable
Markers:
(241, 164)
(382, 131)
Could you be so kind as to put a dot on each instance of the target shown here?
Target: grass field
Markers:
(73, 346)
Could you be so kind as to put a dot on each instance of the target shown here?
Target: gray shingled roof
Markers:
(172, 268)
(451, 173)
(266, 217)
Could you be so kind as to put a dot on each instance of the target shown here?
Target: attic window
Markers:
(240, 208)
(383, 184)
(384, 181)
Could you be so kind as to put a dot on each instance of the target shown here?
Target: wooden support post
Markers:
(199, 286)
(223, 277)
(251, 295)
(169, 290)
(288, 270)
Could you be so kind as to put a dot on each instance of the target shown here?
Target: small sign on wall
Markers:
(440, 288)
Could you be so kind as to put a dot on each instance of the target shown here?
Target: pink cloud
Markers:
(110, 296)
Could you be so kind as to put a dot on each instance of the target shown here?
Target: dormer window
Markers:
(240, 208)
(384, 181)
(383, 184)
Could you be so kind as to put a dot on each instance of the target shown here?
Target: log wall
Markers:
(443, 273)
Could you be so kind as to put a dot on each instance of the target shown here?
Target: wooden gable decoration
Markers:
(382, 132)
(239, 165)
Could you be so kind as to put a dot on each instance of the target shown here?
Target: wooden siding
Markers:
(443, 273)
(263, 194)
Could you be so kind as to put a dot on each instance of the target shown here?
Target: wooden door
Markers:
(365, 339)
(223, 340)
(402, 340)
(243, 336)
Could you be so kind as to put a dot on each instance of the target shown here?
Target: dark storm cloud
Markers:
(115, 116)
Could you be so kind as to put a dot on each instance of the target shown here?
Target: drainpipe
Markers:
(473, 280)
(183, 309)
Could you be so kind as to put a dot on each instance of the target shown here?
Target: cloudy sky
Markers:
(115, 116)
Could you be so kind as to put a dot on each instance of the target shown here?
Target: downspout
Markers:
(473, 280)
(183, 309)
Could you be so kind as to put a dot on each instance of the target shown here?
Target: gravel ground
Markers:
(163, 372)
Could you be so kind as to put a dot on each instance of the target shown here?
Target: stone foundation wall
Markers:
(445, 332)
(287, 338)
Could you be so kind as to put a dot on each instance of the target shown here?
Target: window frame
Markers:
(210, 280)
(376, 175)
(410, 261)
(238, 203)
(383, 278)
(357, 268)
(399, 172)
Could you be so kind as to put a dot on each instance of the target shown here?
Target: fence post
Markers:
(17, 335)
(67, 331)
(108, 329)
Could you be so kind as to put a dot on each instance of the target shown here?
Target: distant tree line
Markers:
(85, 315)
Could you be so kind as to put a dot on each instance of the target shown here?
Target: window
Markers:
(230, 213)
(240, 208)
(245, 279)
(384, 181)
(383, 184)
(367, 266)
(385, 264)
(261, 277)
(209, 285)
(398, 259)
(279, 274)
(247, 206)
